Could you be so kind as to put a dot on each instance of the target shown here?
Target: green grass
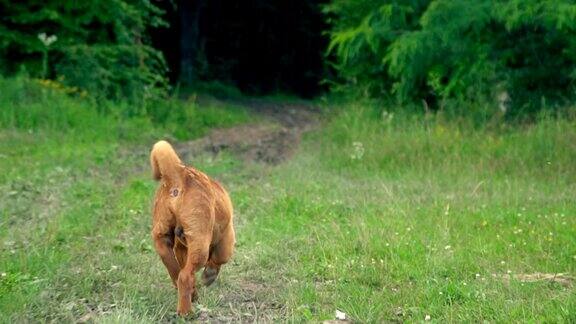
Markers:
(420, 223)
(37, 106)
(413, 221)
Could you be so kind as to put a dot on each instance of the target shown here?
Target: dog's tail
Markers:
(165, 162)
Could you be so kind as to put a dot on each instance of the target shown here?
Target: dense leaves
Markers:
(457, 49)
(101, 46)
(514, 55)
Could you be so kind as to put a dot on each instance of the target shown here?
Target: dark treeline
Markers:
(516, 55)
(258, 46)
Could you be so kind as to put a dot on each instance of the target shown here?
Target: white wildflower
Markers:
(503, 101)
(47, 40)
(387, 116)
(340, 315)
(357, 151)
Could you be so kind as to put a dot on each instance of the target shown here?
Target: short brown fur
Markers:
(192, 223)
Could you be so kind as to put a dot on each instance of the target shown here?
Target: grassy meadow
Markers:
(385, 217)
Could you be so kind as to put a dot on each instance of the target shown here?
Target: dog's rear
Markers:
(192, 225)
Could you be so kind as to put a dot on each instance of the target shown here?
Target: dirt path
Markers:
(274, 136)
(270, 140)
(245, 294)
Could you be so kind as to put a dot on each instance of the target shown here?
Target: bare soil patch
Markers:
(560, 278)
(272, 141)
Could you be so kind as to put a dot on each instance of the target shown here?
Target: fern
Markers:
(457, 49)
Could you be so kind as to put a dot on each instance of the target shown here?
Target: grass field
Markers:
(385, 219)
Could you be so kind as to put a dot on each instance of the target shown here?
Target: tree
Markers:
(190, 14)
(102, 46)
(457, 49)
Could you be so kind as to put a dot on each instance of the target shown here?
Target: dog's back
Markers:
(167, 167)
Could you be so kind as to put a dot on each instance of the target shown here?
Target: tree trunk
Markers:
(189, 38)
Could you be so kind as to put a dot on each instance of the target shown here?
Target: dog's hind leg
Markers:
(180, 250)
(163, 243)
(180, 253)
(219, 255)
(195, 259)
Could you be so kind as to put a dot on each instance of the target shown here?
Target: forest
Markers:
(440, 53)
(388, 161)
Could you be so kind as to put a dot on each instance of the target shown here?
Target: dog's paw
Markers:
(182, 312)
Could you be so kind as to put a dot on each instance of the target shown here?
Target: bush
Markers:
(100, 46)
(523, 50)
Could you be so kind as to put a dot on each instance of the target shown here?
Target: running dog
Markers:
(192, 223)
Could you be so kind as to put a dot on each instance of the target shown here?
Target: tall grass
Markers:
(48, 106)
(28, 105)
(398, 143)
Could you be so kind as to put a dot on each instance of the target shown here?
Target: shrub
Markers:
(100, 46)
(523, 50)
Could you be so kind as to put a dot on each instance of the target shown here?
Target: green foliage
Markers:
(101, 46)
(458, 49)
(116, 71)
(361, 33)
(217, 89)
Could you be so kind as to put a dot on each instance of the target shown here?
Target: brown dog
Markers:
(192, 223)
